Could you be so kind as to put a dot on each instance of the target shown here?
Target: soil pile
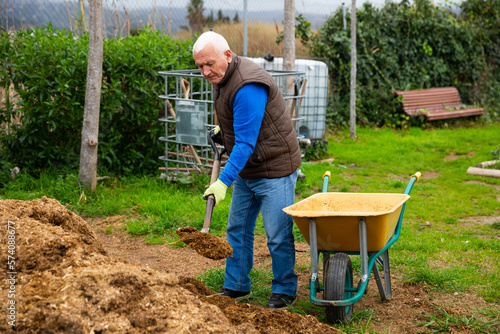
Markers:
(65, 282)
(255, 319)
(205, 244)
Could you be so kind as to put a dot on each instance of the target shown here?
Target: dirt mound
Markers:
(65, 282)
(263, 320)
(48, 235)
(205, 244)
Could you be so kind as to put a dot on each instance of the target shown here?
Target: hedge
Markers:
(404, 46)
(47, 69)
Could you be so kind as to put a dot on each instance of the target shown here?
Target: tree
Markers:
(221, 18)
(209, 20)
(195, 15)
(289, 41)
(236, 18)
(90, 128)
(289, 36)
(352, 119)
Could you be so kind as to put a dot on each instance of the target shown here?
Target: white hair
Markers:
(211, 38)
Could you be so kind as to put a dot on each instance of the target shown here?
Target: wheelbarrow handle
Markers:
(417, 175)
(326, 178)
(414, 178)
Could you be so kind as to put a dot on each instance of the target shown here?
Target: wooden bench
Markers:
(436, 103)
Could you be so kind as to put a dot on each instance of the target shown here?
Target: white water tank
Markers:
(313, 107)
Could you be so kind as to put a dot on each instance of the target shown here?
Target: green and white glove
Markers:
(217, 135)
(218, 189)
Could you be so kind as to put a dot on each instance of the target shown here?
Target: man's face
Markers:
(212, 65)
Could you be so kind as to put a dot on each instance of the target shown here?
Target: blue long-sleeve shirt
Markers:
(248, 111)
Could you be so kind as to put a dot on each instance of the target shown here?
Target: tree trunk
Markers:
(289, 36)
(90, 128)
(289, 44)
(352, 121)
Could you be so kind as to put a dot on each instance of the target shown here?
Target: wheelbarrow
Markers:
(341, 224)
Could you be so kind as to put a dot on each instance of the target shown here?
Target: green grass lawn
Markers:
(444, 242)
(439, 244)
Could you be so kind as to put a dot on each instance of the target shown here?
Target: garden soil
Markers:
(205, 244)
(67, 282)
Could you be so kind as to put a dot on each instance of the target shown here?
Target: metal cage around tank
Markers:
(190, 115)
(313, 107)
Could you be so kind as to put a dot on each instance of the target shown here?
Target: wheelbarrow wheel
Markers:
(338, 278)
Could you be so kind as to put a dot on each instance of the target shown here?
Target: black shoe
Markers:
(236, 295)
(279, 301)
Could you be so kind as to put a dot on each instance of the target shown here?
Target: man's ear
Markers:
(228, 55)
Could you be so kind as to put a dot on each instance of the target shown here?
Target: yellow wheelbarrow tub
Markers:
(336, 216)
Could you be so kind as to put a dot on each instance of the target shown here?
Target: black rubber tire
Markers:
(337, 277)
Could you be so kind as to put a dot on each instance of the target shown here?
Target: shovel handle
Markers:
(208, 214)
(211, 198)
(215, 172)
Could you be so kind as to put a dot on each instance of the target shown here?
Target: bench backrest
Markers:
(429, 99)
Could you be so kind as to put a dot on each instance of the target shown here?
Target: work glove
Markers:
(218, 189)
(216, 135)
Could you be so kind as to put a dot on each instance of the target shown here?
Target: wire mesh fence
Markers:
(178, 18)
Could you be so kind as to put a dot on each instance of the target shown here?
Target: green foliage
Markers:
(138, 227)
(445, 322)
(213, 278)
(361, 322)
(316, 151)
(302, 30)
(261, 283)
(444, 279)
(48, 70)
(65, 187)
(405, 46)
(496, 153)
(5, 171)
(130, 104)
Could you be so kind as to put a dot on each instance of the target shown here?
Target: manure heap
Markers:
(65, 282)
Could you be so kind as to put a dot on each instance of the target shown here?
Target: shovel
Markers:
(215, 174)
(202, 242)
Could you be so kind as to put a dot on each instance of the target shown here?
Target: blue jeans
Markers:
(268, 196)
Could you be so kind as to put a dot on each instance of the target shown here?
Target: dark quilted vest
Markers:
(277, 151)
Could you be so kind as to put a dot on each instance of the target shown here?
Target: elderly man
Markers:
(257, 132)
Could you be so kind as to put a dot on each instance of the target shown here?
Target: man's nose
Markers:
(205, 71)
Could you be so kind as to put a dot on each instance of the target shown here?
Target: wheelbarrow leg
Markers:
(385, 290)
(363, 249)
(387, 274)
(314, 257)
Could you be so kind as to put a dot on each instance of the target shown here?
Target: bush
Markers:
(316, 151)
(403, 46)
(48, 69)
